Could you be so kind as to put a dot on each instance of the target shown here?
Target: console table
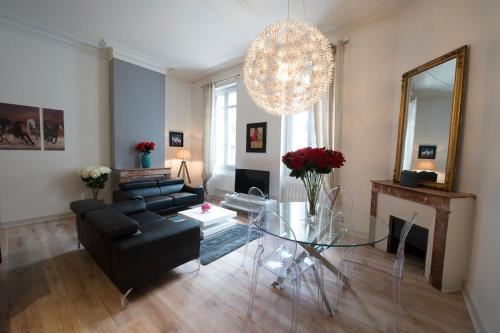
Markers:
(448, 217)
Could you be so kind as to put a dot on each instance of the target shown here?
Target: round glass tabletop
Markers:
(342, 228)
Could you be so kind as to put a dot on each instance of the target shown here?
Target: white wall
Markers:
(247, 112)
(178, 118)
(40, 72)
(376, 57)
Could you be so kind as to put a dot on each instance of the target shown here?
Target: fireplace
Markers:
(447, 218)
(416, 241)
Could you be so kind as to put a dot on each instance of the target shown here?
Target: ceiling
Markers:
(192, 37)
(436, 82)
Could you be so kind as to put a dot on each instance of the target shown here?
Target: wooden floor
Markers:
(48, 285)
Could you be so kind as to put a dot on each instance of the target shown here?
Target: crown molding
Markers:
(20, 25)
(117, 51)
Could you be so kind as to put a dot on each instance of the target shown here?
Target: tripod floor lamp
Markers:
(183, 154)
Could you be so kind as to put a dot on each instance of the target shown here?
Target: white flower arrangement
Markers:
(94, 177)
(93, 171)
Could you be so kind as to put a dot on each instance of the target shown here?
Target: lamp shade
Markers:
(183, 154)
(426, 165)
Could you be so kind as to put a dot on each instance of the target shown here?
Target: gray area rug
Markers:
(227, 241)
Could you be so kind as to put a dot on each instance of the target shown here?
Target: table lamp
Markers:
(426, 165)
(183, 154)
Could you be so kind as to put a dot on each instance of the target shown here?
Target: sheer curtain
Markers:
(208, 148)
(328, 113)
(410, 133)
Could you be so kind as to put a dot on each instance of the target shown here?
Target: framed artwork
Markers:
(256, 137)
(427, 152)
(19, 127)
(53, 129)
(176, 139)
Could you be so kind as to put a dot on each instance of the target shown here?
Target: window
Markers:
(299, 131)
(225, 125)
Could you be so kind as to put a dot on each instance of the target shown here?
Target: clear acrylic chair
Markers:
(255, 208)
(339, 201)
(397, 270)
(283, 261)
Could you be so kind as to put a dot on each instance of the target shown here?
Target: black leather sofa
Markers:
(161, 196)
(132, 244)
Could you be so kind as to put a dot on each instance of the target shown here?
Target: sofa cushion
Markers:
(111, 223)
(184, 198)
(143, 192)
(134, 184)
(158, 202)
(130, 206)
(145, 218)
(168, 186)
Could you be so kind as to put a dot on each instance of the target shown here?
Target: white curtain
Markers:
(328, 114)
(410, 132)
(208, 148)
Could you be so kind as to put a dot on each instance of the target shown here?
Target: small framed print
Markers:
(256, 137)
(427, 152)
(176, 139)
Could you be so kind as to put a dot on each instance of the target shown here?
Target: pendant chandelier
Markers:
(288, 67)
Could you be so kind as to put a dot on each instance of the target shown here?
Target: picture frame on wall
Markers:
(19, 127)
(256, 137)
(175, 139)
(427, 152)
(53, 129)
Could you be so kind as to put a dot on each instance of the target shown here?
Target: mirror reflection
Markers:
(428, 121)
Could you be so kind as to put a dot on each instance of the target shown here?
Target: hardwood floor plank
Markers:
(54, 287)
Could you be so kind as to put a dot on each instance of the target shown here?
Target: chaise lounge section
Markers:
(132, 244)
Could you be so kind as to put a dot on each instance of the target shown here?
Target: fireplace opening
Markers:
(416, 241)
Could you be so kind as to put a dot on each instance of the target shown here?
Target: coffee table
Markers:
(215, 220)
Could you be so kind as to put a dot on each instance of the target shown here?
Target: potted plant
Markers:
(94, 177)
(310, 165)
(145, 149)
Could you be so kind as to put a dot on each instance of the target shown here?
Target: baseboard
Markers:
(40, 219)
(474, 312)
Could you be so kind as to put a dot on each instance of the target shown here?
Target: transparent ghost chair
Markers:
(397, 270)
(284, 261)
(256, 206)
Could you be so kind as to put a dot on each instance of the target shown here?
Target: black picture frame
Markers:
(427, 152)
(175, 139)
(256, 142)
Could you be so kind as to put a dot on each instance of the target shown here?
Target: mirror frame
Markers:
(460, 54)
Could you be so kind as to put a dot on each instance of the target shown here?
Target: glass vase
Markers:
(146, 160)
(312, 183)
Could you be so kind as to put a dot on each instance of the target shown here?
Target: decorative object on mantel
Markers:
(183, 154)
(409, 178)
(94, 177)
(288, 67)
(448, 217)
(145, 149)
(175, 139)
(205, 207)
(310, 165)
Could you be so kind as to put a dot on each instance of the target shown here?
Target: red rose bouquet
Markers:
(145, 147)
(310, 165)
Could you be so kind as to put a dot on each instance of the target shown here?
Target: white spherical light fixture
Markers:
(288, 67)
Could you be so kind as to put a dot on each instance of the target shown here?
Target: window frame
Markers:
(225, 91)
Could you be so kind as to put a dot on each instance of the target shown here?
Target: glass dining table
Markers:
(342, 227)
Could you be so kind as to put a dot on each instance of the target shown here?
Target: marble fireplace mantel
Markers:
(447, 215)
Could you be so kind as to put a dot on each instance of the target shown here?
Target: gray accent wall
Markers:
(137, 106)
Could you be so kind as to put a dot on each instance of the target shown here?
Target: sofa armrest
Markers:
(111, 224)
(80, 207)
(198, 190)
(120, 195)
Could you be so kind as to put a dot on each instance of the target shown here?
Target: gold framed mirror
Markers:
(429, 120)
